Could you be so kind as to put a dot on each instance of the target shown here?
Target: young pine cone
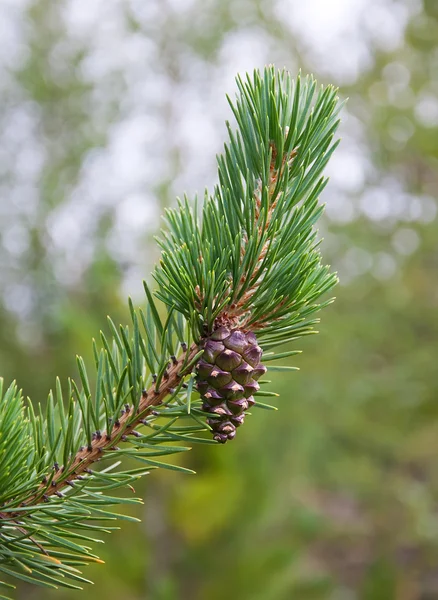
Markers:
(226, 377)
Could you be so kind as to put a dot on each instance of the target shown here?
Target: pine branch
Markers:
(124, 426)
(247, 287)
(249, 265)
(270, 178)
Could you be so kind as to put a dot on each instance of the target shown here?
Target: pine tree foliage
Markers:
(254, 254)
(249, 260)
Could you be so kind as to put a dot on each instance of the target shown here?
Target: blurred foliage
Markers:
(335, 496)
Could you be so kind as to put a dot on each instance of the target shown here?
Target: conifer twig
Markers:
(124, 426)
(237, 312)
(243, 278)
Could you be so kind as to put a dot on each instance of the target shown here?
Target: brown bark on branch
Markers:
(104, 442)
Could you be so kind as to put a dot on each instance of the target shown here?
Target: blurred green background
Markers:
(111, 108)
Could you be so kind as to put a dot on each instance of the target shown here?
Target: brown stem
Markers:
(85, 457)
(237, 312)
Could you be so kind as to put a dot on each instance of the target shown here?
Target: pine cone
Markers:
(226, 377)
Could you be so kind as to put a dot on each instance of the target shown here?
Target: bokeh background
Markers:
(109, 109)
